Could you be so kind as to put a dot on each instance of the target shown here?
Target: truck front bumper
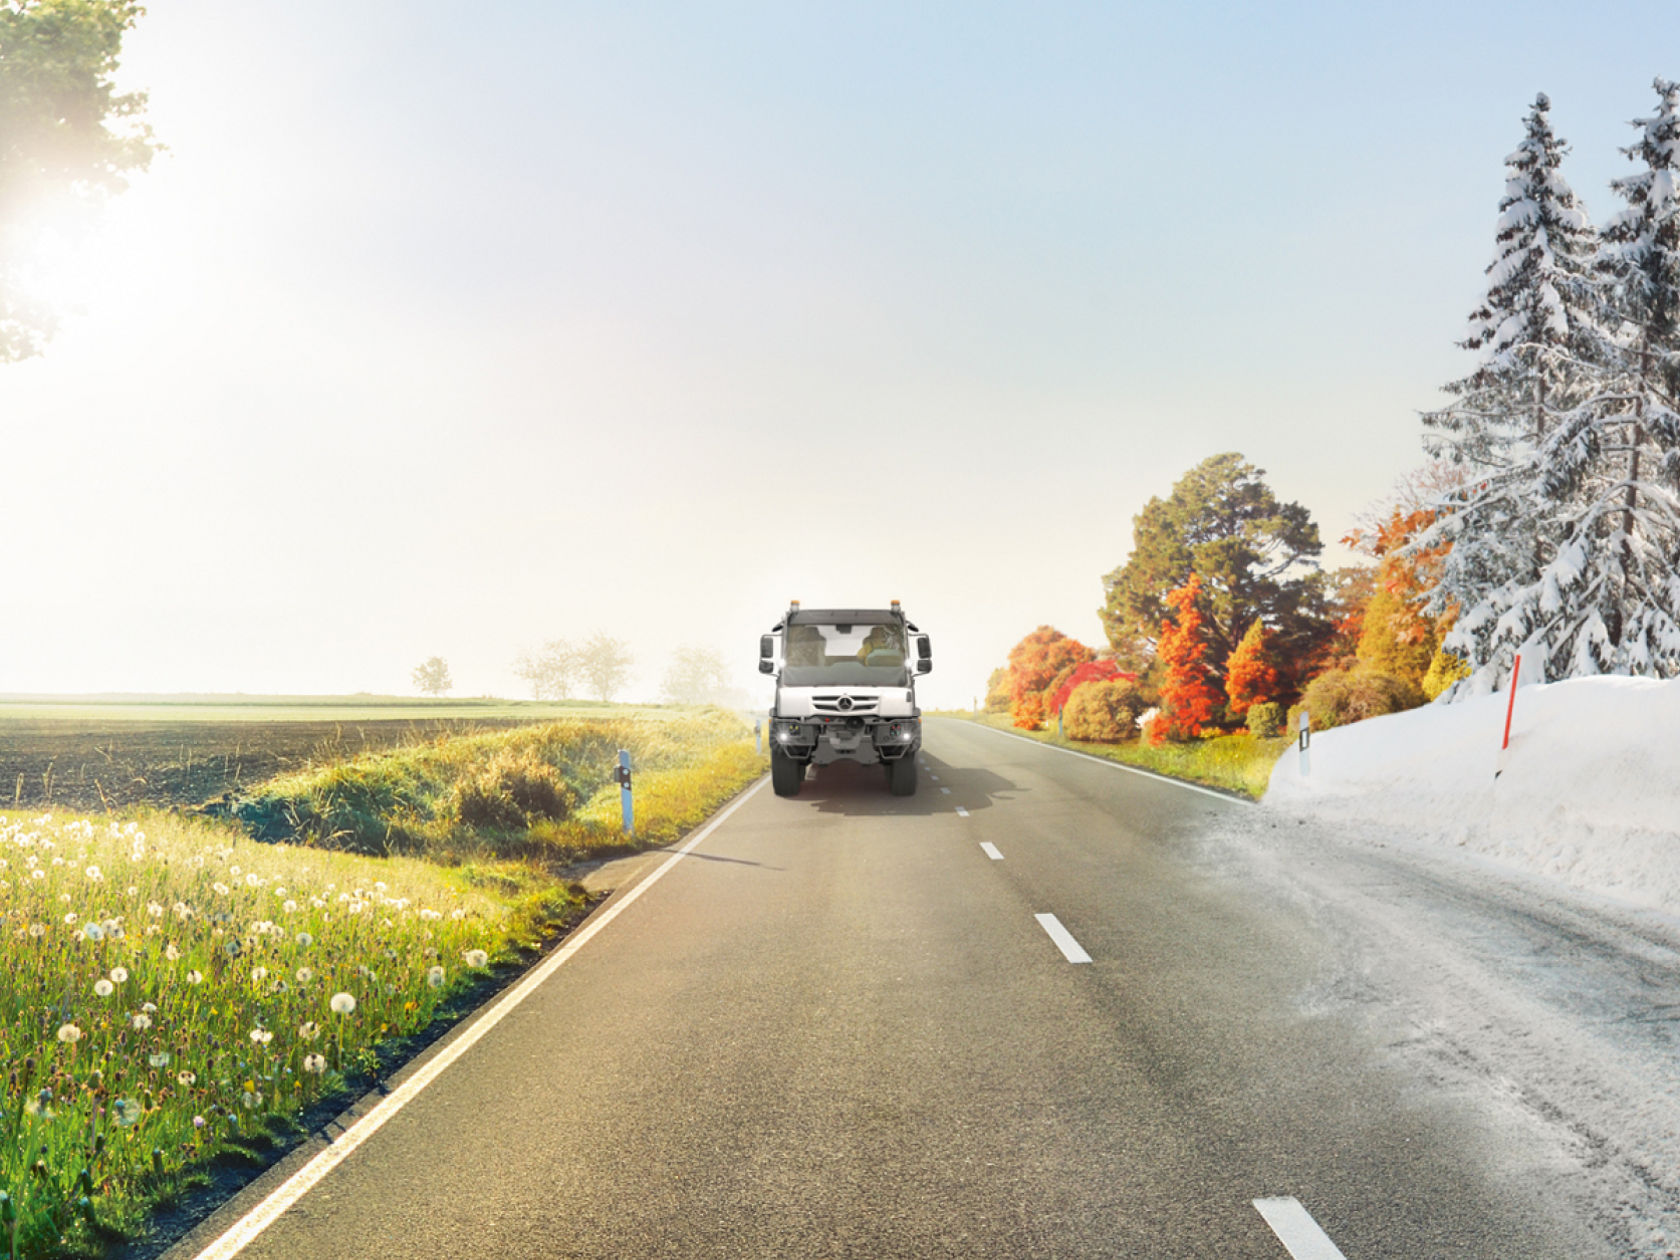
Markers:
(823, 738)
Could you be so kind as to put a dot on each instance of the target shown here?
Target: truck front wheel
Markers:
(901, 775)
(786, 773)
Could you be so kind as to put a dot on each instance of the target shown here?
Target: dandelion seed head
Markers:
(343, 1003)
(103, 987)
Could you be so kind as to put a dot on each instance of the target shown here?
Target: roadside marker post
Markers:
(1510, 705)
(758, 737)
(622, 775)
(1304, 737)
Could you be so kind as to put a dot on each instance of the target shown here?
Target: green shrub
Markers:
(1103, 712)
(1341, 696)
(1265, 719)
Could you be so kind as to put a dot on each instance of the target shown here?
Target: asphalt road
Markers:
(838, 1028)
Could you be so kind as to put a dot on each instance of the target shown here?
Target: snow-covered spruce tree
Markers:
(1537, 331)
(1608, 600)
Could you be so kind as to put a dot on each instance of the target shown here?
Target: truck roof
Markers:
(844, 616)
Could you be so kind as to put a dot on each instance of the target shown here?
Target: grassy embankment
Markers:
(1234, 763)
(176, 991)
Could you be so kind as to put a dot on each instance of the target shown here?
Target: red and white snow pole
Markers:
(1510, 704)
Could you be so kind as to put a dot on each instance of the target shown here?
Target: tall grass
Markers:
(542, 792)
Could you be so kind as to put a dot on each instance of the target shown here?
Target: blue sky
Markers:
(449, 329)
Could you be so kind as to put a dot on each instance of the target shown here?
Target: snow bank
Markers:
(1589, 794)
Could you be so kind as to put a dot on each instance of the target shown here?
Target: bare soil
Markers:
(92, 765)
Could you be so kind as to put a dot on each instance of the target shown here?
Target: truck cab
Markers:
(845, 690)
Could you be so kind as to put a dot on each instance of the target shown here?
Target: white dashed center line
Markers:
(991, 850)
(1064, 939)
(945, 790)
(961, 812)
(1297, 1230)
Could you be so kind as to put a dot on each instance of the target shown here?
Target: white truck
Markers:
(846, 691)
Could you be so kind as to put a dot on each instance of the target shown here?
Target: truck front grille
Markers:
(838, 702)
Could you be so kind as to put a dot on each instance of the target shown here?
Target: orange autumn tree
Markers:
(1395, 636)
(1251, 675)
(1190, 691)
(1034, 663)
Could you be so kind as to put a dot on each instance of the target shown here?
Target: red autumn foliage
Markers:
(1090, 671)
(1252, 675)
(1036, 660)
(1190, 692)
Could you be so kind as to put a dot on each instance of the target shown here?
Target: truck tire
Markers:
(786, 773)
(901, 775)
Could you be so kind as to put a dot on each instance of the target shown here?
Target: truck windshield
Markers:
(855, 653)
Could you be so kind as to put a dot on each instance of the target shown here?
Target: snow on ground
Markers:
(1515, 942)
(1589, 794)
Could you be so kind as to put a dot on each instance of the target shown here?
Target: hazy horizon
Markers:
(448, 332)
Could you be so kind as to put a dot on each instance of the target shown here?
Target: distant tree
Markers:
(1028, 712)
(1252, 675)
(1035, 661)
(66, 137)
(1255, 556)
(605, 664)
(431, 677)
(997, 690)
(1191, 695)
(550, 671)
(696, 676)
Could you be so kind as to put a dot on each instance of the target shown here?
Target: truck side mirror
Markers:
(924, 654)
(766, 654)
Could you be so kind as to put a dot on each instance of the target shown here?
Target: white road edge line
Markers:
(961, 812)
(991, 850)
(1114, 765)
(245, 1230)
(1297, 1230)
(1064, 939)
